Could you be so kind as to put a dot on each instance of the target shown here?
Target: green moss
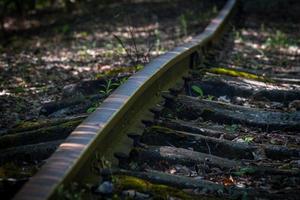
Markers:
(236, 73)
(123, 182)
(31, 125)
(34, 125)
(28, 124)
(51, 132)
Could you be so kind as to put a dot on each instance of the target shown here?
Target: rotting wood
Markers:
(211, 188)
(215, 146)
(34, 125)
(49, 133)
(127, 182)
(193, 108)
(232, 87)
(156, 154)
(182, 156)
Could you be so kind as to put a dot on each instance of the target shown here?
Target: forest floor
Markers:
(46, 54)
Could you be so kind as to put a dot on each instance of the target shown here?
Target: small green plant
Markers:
(215, 9)
(93, 108)
(248, 139)
(157, 40)
(139, 67)
(197, 90)
(210, 97)
(130, 48)
(238, 36)
(72, 192)
(183, 24)
(238, 58)
(232, 128)
(278, 40)
(108, 87)
(123, 80)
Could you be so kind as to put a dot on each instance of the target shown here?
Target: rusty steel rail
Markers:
(104, 131)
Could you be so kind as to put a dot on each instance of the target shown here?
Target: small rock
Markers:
(105, 188)
(276, 105)
(239, 140)
(198, 178)
(224, 99)
(69, 90)
(294, 105)
(134, 194)
(239, 100)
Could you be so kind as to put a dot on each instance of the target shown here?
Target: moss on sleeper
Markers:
(236, 73)
(52, 132)
(34, 125)
(123, 182)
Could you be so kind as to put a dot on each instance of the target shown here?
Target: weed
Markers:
(92, 108)
(108, 87)
(130, 48)
(238, 36)
(139, 67)
(198, 91)
(215, 9)
(278, 40)
(248, 139)
(123, 80)
(72, 192)
(210, 97)
(157, 40)
(232, 128)
(183, 24)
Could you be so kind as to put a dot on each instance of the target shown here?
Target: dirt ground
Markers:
(48, 51)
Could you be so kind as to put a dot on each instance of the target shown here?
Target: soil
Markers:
(48, 51)
(57, 67)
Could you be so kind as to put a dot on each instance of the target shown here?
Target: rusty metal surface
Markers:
(98, 131)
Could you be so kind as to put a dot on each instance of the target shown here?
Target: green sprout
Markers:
(197, 90)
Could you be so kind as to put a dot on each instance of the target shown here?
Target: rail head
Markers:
(71, 155)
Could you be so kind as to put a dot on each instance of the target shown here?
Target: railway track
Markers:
(216, 118)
